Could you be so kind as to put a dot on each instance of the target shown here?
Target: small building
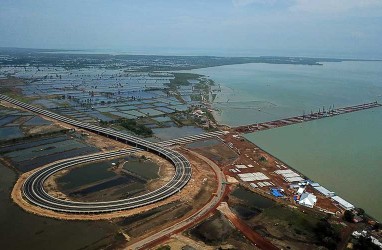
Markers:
(293, 179)
(308, 200)
(357, 234)
(375, 241)
(314, 184)
(300, 190)
(294, 186)
(198, 113)
(344, 204)
(324, 191)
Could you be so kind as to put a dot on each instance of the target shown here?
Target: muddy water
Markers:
(146, 169)
(204, 143)
(97, 180)
(90, 173)
(21, 230)
(253, 199)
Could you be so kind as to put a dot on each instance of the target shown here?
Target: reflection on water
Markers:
(21, 230)
(253, 199)
(7, 133)
(145, 169)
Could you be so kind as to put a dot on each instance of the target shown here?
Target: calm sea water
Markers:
(343, 153)
(262, 92)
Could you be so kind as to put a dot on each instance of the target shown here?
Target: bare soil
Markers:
(253, 236)
(250, 154)
(221, 154)
(41, 129)
(178, 241)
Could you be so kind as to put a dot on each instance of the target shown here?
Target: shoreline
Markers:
(299, 172)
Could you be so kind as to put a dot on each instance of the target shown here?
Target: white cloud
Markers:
(334, 6)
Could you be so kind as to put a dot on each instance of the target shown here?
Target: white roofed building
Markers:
(308, 200)
(300, 190)
(346, 205)
(324, 191)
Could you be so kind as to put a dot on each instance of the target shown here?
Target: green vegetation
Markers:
(326, 234)
(136, 128)
(165, 247)
(361, 211)
(15, 95)
(182, 79)
(213, 231)
(348, 216)
(131, 125)
(364, 243)
(209, 115)
(305, 223)
(196, 97)
(300, 223)
(262, 159)
(204, 84)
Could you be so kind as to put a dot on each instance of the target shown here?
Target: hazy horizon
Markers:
(196, 52)
(315, 28)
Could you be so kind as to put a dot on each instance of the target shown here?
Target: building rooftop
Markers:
(324, 191)
(343, 203)
(308, 199)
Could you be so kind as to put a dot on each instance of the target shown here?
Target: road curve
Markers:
(33, 188)
(195, 217)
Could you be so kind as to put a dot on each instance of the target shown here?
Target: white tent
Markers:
(308, 200)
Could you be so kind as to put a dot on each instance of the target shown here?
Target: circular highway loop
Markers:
(33, 188)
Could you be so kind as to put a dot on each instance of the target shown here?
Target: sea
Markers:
(342, 153)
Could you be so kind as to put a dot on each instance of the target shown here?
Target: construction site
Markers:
(229, 173)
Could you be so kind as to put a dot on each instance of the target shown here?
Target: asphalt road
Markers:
(193, 218)
(33, 188)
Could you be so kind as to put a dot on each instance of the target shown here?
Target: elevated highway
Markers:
(34, 192)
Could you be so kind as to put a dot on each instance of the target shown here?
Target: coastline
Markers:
(286, 164)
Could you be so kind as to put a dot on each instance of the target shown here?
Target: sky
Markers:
(321, 28)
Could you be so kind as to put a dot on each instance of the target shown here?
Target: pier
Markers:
(304, 118)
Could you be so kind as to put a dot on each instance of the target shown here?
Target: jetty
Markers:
(304, 118)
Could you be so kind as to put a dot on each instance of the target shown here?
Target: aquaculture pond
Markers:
(144, 168)
(89, 173)
(204, 143)
(13, 132)
(252, 199)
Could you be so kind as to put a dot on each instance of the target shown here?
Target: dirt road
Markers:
(254, 237)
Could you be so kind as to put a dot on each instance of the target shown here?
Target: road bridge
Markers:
(34, 191)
